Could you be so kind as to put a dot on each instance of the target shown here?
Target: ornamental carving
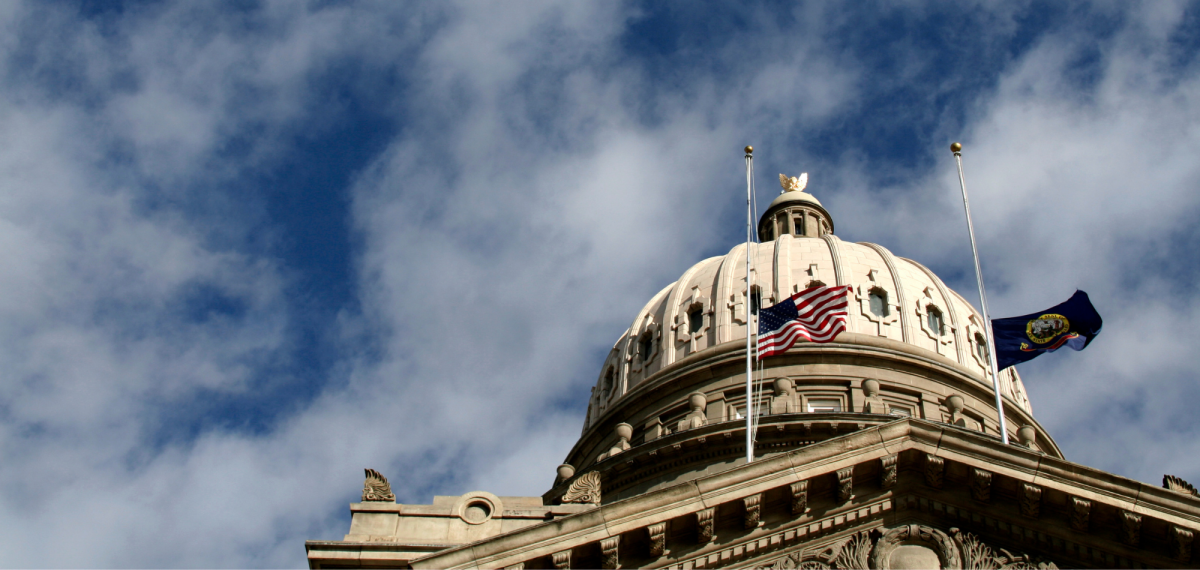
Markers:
(705, 524)
(936, 540)
(845, 484)
(856, 552)
(1031, 500)
(1181, 543)
(1131, 528)
(585, 489)
(608, 551)
(981, 485)
(799, 497)
(658, 538)
(561, 560)
(376, 487)
(753, 511)
(1081, 513)
(976, 554)
(889, 471)
(1178, 485)
(934, 470)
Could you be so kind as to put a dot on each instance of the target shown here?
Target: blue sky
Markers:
(251, 248)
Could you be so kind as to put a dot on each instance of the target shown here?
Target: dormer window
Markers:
(933, 319)
(695, 319)
(879, 303)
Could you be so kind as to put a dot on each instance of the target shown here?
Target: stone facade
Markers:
(877, 450)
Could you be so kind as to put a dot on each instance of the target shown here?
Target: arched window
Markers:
(755, 299)
(798, 225)
(879, 304)
(695, 318)
(933, 319)
(645, 345)
(981, 347)
(606, 388)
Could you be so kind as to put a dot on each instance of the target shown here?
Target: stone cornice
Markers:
(822, 460)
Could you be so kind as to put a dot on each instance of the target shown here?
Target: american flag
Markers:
(817, 314)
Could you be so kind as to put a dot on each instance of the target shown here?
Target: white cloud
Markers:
(542, 185)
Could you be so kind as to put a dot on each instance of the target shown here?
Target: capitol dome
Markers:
(912, 348)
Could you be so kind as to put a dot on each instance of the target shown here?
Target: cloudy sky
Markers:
(251, 248)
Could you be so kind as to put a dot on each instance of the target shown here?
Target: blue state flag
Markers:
(1073, 323)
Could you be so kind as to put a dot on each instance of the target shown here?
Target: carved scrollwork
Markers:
(799, 497)
(705, 525)
(658, 539)
(977, 554)
(981, 485)
(1181, 543)
(585, 489)
(1031, 500)
(889, 471)
(376, 487)
(935, 468)
(936, 540)
(608, 551)
(1178, 485)
(856, 552)
(1081, 513)
(753, 505)
(1131, 528)
(845, 484)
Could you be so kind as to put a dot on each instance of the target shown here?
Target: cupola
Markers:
(794, 212)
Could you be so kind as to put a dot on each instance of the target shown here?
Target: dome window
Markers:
(798, 225)
(695, 319)
(755, 300)
(606, 389)
(824, 406)
(933, 319)
(645, 345)
(981, 347)
(879, 303)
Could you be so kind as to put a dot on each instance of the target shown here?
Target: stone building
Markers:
(878, 450)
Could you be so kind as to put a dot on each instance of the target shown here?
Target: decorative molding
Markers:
(376, 487)
(608, 551)
(835, 253)
(935, 468)
(977, 554)
(845, 484)
(1131, 528)
(585, 489)
(938, 541)
(799, 497)
(705, 525)
(561, 560)
(1181, 543)
(1031, 500)
(888, 478)
(658, 539)
(753, 511)
(1178, 485)
(981, 485)
(1081, 514)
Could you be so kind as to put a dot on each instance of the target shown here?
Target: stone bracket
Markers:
(845, 484)
(658, 538)
(981, 485)
(1031, 500)
(888, 478)
(705, 525)
(935, 468)
(1131, 528)
(799, 497)
(1081, 514)
(608, 551)
(753, 505)
(561, 560)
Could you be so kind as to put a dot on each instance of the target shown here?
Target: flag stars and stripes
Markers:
(817, 314)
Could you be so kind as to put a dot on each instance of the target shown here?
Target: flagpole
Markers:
(956, 148)
(749, 316)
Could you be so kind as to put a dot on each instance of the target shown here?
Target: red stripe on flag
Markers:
(821, 316)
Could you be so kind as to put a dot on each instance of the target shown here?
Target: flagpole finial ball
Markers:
(749, 149)
(955, 147)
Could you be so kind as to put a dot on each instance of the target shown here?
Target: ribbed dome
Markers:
(706, 308)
